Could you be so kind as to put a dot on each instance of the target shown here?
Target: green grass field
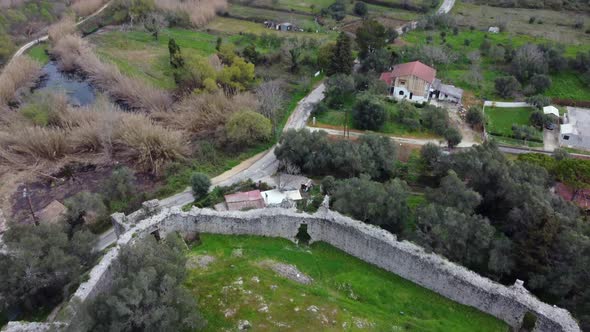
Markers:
(336, 118)
(138, 54)
(565, 84)
(347, 292)
(500, 120)
(553, 25)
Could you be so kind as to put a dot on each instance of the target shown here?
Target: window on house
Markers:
(401, 93)
(402, 82)
(566, 137)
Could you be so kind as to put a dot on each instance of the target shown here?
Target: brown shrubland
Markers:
(64, 27)
(202, 113)
(17, 77)
(148, 145)
(86, 7)
(75, 53)
(98, 130)
(199, 11)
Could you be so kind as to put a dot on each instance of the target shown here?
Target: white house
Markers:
(551, 110)
(411, 81)
(416, 82)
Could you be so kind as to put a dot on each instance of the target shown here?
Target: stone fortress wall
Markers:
(366, 242)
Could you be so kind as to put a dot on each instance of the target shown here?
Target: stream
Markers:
(77, 88)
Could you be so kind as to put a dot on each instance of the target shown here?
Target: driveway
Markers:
(550, 140)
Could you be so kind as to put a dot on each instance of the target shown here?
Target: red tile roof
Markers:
(415, 68)
(244, 200)
(386, 76)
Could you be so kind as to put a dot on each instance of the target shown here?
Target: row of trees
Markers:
(491, 215)
(314, 154)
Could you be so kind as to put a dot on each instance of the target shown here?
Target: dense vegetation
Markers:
(490, 214)
(147, 291)
(40, 266)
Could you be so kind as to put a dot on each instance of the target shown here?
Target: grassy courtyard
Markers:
(499, 123)
(346, 293)
(337, 118)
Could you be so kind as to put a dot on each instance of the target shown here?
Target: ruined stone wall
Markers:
(367, 242)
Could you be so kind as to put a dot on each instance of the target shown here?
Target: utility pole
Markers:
(28, 197)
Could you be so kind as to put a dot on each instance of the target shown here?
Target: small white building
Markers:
(575, 130)
(275, 196)
(551, 110)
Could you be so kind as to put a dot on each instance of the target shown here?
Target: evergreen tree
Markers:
(342, 60)
(176, 60)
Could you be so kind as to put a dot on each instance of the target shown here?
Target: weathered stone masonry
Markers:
(366, 242)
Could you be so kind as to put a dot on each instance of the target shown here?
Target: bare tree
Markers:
(474, 57)
(154, 23)
(271, 98)
(474, 77)
(289, 172)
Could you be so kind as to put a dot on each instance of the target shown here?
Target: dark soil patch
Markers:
(72, 180)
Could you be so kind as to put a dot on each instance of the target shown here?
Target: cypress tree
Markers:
(176, 60)
(342, 60)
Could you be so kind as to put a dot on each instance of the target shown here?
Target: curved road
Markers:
(261, 165)
(32, 43)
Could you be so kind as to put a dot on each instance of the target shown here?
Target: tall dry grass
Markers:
(202, 114)
(74, 53)
(86, 7)
(199, 11)
(102, 129)
(148, 145)
(18, 77)
(36, 142)
(64, 27)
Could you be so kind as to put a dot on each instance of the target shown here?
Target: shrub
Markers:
(85, 208)
(540, 83)
(474, 116)
(120, 185)
(507, 86)
(149, 145)
(538, 101)
(368, 113)
(328, 184)
(199, 12)
(248, 128)
(86, 7)
(453, 137)
(200, 184)
(360, 8)
(65, 27)
(37, 142)
(17, 78)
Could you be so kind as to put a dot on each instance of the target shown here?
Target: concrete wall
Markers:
(366, 242)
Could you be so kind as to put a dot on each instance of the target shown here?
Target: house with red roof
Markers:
(417, 82)
(412, 81)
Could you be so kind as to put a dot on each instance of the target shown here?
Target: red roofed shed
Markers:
(244, 200)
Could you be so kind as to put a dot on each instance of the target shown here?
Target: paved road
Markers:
(404, 140)
(266, 164)
(256, 168)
